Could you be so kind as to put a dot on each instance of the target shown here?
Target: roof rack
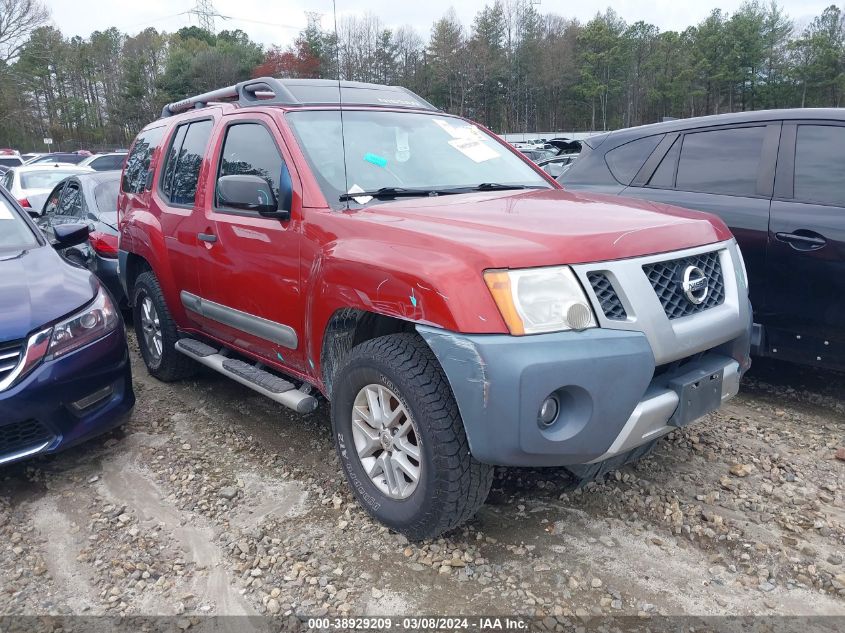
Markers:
(302, 92)
(246, 92)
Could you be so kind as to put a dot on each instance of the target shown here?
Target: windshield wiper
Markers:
(495, 186)
(386, 193)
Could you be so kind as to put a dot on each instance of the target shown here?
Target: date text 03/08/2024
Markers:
(423, 623)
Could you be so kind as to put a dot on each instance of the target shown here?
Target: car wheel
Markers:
(401, 439)
(156, 332)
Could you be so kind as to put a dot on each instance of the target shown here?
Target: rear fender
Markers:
(143, 236)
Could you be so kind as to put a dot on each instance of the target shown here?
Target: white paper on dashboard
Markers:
(474, 150)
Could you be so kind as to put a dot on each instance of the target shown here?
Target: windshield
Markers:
(46, 179)
(403, 149)
(15, 234)
(106, 196)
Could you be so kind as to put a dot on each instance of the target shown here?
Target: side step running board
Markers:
(260, 380)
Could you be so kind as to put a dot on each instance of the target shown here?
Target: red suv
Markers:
(456, 307)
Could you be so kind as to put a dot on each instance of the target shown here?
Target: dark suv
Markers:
(777, 178)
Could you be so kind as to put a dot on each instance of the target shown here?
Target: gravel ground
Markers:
(214, 500)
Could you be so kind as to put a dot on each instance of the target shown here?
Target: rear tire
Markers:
(156, 332)
(400, 376)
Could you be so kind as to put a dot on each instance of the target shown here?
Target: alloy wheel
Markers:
(386, 441)
(151, 328)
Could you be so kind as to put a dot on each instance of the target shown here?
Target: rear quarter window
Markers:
(664, 175)
(135, 178)
(626, 160)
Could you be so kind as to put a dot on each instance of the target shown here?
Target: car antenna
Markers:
(340, 101)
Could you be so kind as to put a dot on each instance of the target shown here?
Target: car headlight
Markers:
(535, 300)
(93, 322)
(741, 269)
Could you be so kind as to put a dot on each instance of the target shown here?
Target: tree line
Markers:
(513, 68)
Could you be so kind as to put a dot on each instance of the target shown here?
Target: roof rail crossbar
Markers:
(261, 89)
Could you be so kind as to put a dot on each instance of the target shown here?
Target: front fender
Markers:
(414, 285)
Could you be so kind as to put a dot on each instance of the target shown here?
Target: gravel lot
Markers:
(214, 500)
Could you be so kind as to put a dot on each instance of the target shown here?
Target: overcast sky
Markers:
(278, 21)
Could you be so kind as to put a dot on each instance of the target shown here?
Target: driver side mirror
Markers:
(68, 235)
(250, 193)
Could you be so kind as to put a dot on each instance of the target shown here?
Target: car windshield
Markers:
(106, 196)
(43, 179)
(406, 150)
(15, 234)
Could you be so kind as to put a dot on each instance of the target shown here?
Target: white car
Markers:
(531, 144)
(8, 161)
(31, 184)
(105, 162)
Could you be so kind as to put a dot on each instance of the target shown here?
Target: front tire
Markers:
(156, 332)
(401, 440)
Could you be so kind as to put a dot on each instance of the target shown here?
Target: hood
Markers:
(37, 288)
(550, 226)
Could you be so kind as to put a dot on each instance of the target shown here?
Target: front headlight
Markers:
(89, 324)
(742, 270)
(535, 300)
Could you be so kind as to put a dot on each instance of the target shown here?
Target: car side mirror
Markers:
(33, 214)
(250, 193)
(68, 235)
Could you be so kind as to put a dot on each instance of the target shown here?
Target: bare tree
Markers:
(18, 19)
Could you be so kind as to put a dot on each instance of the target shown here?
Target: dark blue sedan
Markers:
(64, 365)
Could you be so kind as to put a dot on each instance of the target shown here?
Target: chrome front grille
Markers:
(20, 437)
(10, 357)
(667, 280)
(608, 298)
(649, 288)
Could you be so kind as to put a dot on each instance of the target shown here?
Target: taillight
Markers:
(103, 244)
(24, 203)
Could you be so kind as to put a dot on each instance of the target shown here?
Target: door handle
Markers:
(802, 241)
(207, 237)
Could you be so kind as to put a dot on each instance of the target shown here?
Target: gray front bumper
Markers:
(610, 400)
